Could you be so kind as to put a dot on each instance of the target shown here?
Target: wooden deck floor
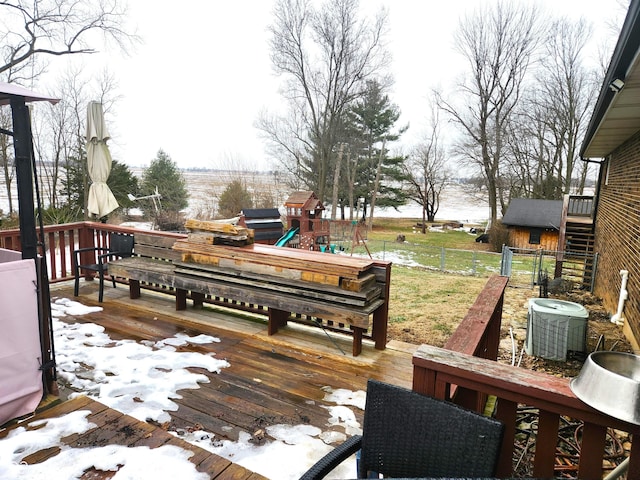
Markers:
(270, 380)
(114, 428)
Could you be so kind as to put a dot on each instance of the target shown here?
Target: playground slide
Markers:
(286, 238)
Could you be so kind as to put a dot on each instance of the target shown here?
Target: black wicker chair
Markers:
(120, 246)
(406, 434)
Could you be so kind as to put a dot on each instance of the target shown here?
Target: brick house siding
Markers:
(617, 232)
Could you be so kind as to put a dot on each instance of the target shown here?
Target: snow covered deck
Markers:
(272, 388)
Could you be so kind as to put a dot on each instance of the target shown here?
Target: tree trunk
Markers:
(376, 184)
(336, 181)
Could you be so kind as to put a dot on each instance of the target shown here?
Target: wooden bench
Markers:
(157, 265)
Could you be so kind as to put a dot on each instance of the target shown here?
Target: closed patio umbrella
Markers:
(101, 200)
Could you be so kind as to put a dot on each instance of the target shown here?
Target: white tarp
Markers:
(101, 200)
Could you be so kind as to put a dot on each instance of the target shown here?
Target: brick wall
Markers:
(618, 232)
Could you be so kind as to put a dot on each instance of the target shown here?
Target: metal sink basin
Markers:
(610, 382)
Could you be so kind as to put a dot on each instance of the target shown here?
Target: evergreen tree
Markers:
(121, 181)
(233, 199)
(72, 192)
(164, 175)
(370, 123)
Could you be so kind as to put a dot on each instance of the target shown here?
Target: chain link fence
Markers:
(525, 268)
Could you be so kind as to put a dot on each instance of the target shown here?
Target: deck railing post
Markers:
(550, 396)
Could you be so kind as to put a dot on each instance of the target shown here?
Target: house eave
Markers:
(616, 116)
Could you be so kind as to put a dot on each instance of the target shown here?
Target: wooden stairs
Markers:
(575, 258)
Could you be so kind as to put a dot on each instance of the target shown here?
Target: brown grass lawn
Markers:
(427, 306)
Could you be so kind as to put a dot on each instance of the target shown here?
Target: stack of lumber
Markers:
(218, 233)
(284, 272)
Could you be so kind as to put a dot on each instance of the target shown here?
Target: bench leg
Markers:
(181, 299)
(277, 319)
(380, 327)
(134, 289)
(198, 299)
(357, 340)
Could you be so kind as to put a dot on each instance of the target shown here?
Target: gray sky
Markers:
(198, 82)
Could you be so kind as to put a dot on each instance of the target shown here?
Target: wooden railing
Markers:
(580, 205)
(465, 372)
(61, 240)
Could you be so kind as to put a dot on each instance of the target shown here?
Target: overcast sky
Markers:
(199, 80)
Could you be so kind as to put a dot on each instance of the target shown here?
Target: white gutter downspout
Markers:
(624, 294)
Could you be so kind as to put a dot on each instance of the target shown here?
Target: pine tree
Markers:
(370, 130)
(233, 199)
(164, 175)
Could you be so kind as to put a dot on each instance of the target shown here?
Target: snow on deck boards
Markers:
(270, 379)
(114, 428)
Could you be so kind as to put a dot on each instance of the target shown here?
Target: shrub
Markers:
(498, 236)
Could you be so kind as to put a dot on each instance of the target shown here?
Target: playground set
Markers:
(307, 229)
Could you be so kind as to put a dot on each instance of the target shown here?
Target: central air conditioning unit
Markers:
(555, 327)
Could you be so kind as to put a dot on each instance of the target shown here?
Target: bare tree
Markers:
(568, 88)
(59, 134)
(32, 30)
(498, 43)
(326, 54)
(427, 173)
(551, 119)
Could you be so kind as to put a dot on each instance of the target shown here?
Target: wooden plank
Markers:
(220, 239)
(209, 420)
(282, 301)
(152, 251)
(545, 451)
(212, 226)
(591, 448)
(359, 317)
(206, 262)
(154, 240)
(143, 269)
(359, 284)
(99, 436)
(286, 277)
(249, 395)
(322, 278)
(341, 265)
(310, 290)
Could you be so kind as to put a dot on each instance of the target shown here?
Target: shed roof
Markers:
(260, 213)
(528, 212)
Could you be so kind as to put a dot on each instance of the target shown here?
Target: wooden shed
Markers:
(533, 223)
(265, 222)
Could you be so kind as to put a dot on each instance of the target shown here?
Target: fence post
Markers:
(442, 259)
